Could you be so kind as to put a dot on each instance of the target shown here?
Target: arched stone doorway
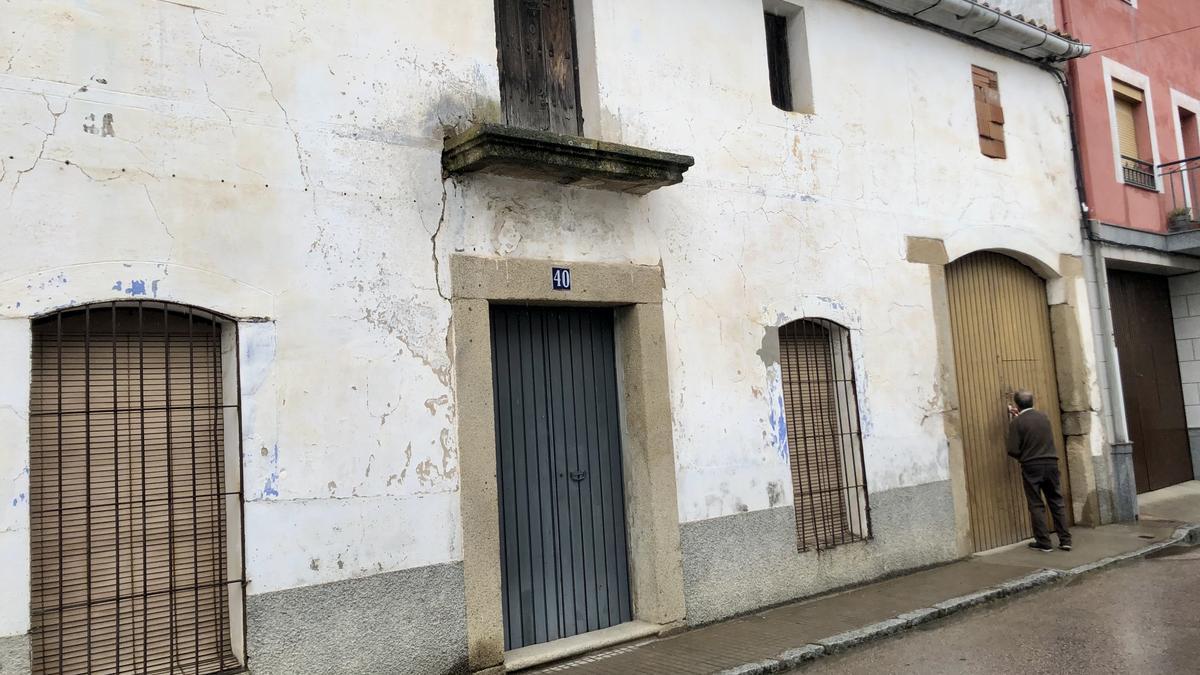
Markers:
(1000, 323)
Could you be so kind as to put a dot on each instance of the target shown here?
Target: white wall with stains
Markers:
(279, 161)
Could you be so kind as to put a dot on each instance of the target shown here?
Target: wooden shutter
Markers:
(778, 61)
(1132, 93)
(829, 492)
(1127, 126)
(539, 80)
(989, 115)
(128, 498)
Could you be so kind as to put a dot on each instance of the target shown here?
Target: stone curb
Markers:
(1185, 534)
(1189, 534)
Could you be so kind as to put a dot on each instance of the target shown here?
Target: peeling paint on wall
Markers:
(271, 487)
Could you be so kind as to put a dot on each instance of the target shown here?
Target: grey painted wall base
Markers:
(1194, 442)
(1123, 482)
(412, 621)
(739, 563)
(14, 655)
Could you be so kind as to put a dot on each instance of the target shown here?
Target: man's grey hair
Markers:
(1024, 399)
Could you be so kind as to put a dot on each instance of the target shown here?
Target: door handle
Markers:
(578, 475)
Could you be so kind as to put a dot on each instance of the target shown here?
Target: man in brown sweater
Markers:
(1031, 442)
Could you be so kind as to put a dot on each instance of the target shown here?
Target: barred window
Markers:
(134, 516)
(824, 440)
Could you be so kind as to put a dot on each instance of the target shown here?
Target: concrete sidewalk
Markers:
(777, 639)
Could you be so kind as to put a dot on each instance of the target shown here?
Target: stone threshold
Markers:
(565, 160)
(557, 650)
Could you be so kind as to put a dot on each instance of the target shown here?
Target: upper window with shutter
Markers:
(777, 61)
(1127, 101)
(989, 115)
(787, 56)
(539, 76)
(1133, 132)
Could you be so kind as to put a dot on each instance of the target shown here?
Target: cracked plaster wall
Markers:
(285, 155)
(786, 215)
(271, 160)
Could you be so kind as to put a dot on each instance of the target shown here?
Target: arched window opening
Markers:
(824, 439)
(135, 491)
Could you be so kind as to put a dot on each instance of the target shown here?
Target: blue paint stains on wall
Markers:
(271, 487)
(21, 497)
(778, 417)
(137, 287)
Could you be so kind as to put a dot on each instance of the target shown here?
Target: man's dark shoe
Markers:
(1066, 546)
(1044, 548)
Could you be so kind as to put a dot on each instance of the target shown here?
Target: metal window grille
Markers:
(129, 497)
(824, 438)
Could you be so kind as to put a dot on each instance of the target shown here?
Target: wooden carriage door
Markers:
(1150, 379)
(1001, 330)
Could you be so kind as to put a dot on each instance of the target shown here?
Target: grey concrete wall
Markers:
(412, 621)
(1194, 443)
(739, 563)
(1124, 483)
(1185, 307)
(14, 655)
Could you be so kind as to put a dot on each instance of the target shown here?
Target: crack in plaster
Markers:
(16, 52)
(194, 8)
(437, 278)
(156, 214)
(23, 414)
(203, 75)
(42, 149)
(287, 119)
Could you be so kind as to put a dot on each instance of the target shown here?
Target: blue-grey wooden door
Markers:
(564, 554)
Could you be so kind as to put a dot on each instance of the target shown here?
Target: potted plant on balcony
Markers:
(1179, 219)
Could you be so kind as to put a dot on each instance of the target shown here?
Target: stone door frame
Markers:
(1065, 289)
(652, 513)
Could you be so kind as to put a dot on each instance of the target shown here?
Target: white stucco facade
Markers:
(279, 163)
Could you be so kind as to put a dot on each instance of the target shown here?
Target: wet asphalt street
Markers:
(1141, 617)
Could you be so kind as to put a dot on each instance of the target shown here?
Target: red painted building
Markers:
(1135, 102)
(1143, 76)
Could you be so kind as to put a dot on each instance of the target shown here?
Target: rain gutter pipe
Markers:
(978, 22)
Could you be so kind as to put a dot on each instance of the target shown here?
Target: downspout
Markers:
(1116, 393)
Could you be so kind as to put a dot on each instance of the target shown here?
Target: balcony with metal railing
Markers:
(1138, 173)
(1181, 187)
